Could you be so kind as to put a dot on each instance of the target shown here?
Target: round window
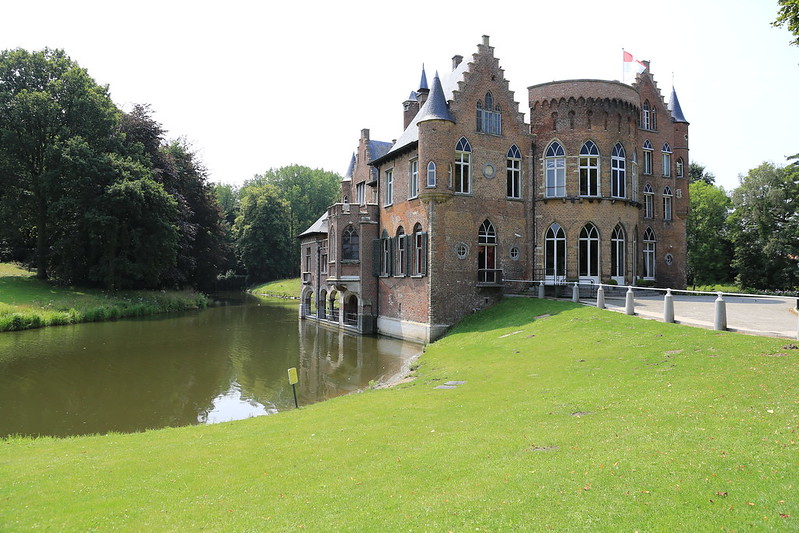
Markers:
(514, 253)
(669, 259)
(462, 250)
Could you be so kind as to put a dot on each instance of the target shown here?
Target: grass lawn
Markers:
(27, 302)
(284, 288)
(570, 418)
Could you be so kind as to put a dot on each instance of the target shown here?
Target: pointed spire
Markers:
(350, 169)
(674, 105)
(423, 82)
(435, 108)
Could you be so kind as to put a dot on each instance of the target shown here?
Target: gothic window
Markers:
(400, 253)
(649, 253)
(514, 172)
(431, 174)
(618, 170)
(489, 116)
(617, 247)
(645, 116)
(349, 244)
(648, 157)
(555, 163)
(680, 168)
(555, 254)
(463, 171)
(419, 251)
(589, 169)
(667, 203)
(486, 253)
(634, 176)
(666, 160)
(649, 201)
(589, 252)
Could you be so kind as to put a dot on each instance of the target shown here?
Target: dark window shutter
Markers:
(410, 250)
(424, 254)
(376, 249)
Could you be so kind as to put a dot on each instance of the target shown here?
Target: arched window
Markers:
(649, 201)
(645, 116)
(589, 169)
(666, 160)
(634, 176)
(589, 253)
(419, 251)
(350, 247)
(385, 254)
(555, 254)
(514, 172)
(463, 171)
(667, 203)
(333, 246)
(431, 174)
(648, 157)
(486, 253)
(489, 117)
(680, 167)
(555, 163)
(617, 248)
(649, 254)
(618, 171)
(400, 256)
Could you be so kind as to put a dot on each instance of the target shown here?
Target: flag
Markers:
(632, 65)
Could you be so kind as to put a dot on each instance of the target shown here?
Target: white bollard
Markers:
(575, 292)
(720, 321)
(600, 298)
(629, 304)
(668, 307)
(541, 290)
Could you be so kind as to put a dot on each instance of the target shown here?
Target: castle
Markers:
(470, 200)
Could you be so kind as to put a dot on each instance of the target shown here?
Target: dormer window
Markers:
(489, 116)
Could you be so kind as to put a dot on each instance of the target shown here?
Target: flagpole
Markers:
(623, 80)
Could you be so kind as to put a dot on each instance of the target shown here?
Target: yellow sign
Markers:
(293, 376)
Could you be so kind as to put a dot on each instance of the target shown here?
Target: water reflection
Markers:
(225, 363)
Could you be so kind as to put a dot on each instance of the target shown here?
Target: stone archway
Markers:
(351, 310)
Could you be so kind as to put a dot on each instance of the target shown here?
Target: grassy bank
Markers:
(570, 418)
(284, 288)
(27, 302)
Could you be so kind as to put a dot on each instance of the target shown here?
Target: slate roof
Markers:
(676, 110)
(435, 108)
(320, 226)
(350, 169)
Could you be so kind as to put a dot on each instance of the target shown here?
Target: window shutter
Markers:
(376, 250)
(423, 266)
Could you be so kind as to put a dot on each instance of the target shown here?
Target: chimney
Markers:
(485, 40)
(365, 134)
(456, 60)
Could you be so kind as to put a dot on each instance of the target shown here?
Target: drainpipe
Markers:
(533, 193)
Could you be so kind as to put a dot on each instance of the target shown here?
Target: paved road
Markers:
(758, 316)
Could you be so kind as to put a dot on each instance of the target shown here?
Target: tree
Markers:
(709, 247)
(765, 228)
(263, 243)
(696, 172)
(788, 15)
(309, 193)
(46, 101)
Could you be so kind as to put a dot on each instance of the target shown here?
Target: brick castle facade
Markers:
(471, 200)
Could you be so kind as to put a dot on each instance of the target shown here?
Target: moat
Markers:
(224, 363)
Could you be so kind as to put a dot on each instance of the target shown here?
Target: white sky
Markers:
(259, 85)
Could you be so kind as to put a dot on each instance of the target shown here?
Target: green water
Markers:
(225, 363)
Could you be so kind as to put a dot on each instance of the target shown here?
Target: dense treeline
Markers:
(94, 196)
(267, 213)
(750, 235)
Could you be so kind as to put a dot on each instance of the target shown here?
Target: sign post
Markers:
(293, 380)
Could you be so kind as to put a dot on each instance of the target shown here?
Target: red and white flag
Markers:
(632, 65)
